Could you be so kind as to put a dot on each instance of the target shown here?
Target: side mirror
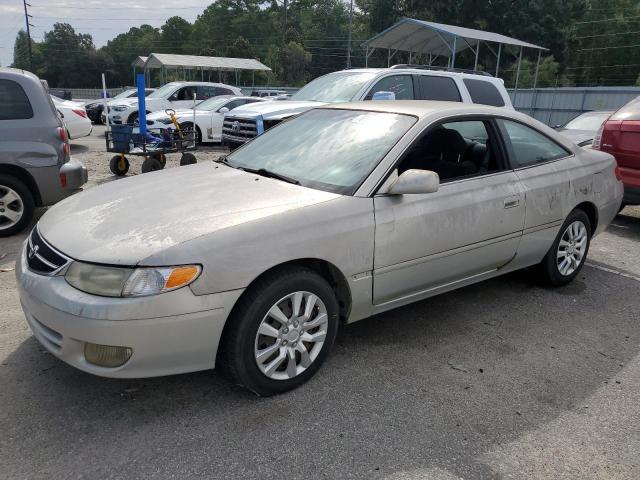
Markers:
(383, 96)
(414, 182)
(557, 127)
(223, 110)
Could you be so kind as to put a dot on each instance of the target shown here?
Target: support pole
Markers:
(26, 19)
(534, 95)
(475, 65)
(498, 60)
(410, 56)
(453, 53)
(389, 58)
(349, 42)
(366, 58)
(515, 88)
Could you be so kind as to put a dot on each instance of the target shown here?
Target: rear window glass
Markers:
(14, 103)
(438, 88)
(484, 93)
(631, 111)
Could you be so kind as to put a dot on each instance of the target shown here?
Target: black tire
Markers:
(119, 165)
(27, 207)
(236, 358)
(161, 157)
(132, 118)
(151, 164)
(188, 159)
(548, 270)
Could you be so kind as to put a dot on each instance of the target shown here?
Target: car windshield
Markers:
(327, 149)
(164, 91)
(334, 88)
(125, 94)
(588, 121)
(212, 103)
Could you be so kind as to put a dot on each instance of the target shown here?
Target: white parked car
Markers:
(174, 95)
(74, 116)
(405, 82)
(209, 116)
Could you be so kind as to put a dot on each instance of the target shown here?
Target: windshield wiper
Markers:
(269, 174)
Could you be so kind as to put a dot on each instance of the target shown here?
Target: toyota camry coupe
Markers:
(250, 263)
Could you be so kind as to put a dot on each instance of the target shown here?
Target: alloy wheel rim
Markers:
(572, 248)
(291, 335)
(11, 207)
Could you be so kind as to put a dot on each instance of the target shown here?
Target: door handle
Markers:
(511, 202)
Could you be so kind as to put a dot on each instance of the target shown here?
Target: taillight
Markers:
(82, 113)
(597, 140)
(62, 134)
(65, 149)
(618, 173)
(63, 180)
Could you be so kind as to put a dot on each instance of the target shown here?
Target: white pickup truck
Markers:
(405, 81)
(174, 95)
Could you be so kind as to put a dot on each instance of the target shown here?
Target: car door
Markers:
(183, 98)
(401, 85)
(537, 161)
(217, 118)
(471, 226)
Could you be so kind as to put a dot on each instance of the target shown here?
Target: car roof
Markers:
(424, 71)
(418, 108)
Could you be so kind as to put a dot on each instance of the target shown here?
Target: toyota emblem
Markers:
(235, 126)
(34, 251)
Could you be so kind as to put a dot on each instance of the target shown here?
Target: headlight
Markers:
(91, 105)
(119, 108)
(129, 282)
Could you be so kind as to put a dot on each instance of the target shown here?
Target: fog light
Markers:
(106, 355)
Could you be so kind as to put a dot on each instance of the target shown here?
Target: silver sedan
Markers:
(249, 264)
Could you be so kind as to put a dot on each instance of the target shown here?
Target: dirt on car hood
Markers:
(125, 221)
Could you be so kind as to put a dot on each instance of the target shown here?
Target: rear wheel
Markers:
(119, 165)
(188, 159)
(151, 164)
(16, 206)
(280, 332)
(567, 255)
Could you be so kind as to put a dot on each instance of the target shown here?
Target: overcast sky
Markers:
(102, 19)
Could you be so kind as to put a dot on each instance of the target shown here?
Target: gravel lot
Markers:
(503, 379)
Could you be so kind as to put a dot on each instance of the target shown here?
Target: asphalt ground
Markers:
(503, 379)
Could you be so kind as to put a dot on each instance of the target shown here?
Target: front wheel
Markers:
(280, 333)
(567, 255)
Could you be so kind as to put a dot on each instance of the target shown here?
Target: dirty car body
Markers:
(263, 215)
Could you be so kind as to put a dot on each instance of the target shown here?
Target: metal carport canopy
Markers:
(195, 62)
(420, 36)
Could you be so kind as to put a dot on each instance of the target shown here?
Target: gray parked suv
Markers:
(36, 168)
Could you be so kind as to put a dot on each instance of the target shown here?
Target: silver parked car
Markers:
(36, 168)
(250, 263)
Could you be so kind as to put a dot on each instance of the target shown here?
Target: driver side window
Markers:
(400, 85)
(455, 150)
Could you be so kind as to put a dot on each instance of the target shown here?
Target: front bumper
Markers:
(172, 333)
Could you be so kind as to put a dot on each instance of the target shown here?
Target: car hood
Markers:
(125, 221)
(578, 136)
(274, 109)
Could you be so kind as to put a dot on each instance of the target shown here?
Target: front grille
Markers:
(241, 129)
(41, 257)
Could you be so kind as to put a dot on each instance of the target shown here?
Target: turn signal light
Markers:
(181, 276)
(82, 113)
(107, 355)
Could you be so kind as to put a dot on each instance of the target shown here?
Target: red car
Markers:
(620, 136)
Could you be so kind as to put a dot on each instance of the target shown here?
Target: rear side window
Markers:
(483, 92)
(223, 91)
(529, 146)
(14, 103)
(400, 85)
(631, 111)
(438, 88)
